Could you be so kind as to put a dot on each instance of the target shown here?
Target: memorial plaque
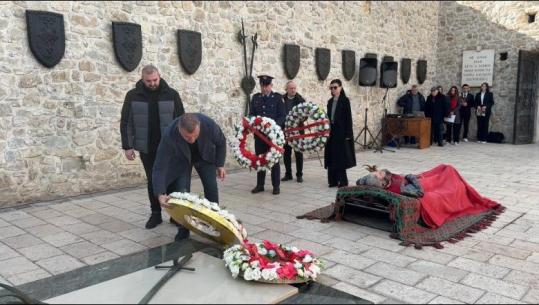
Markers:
(46, 36)
(190, 50)
(477, 67)
(291, 60)
(127, 40)
(348, 64)
(323, 62)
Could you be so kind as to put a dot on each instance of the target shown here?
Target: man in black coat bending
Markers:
(192, 140)
(292, 98)
(267, 104)
(146, 112)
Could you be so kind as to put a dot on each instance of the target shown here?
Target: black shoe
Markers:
(182, 234)
(441, 144)
(287, 178)
(257, 190)
(172, 221)
(333, 185)
(299, 179)
(154, 221)
(276, 191)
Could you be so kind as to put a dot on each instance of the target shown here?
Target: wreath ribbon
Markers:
(289, 130)
(260, 135)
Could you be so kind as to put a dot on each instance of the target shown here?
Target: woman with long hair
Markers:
(452, 134)
(339, 153)
(484, 100)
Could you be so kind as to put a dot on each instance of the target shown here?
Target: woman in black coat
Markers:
(339, 154)
(484, 101)
(436, 108)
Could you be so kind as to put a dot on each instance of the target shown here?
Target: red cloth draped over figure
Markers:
(446, 196)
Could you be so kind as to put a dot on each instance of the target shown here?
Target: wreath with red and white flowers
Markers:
(318, 131)
(272, 263)
(268, 131)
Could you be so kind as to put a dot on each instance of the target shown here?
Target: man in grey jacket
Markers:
(146, 112)
(196, 140)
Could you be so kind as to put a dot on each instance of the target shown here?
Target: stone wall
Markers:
(59, 127)
(499, 25)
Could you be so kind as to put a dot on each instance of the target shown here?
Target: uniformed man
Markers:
(267, 104)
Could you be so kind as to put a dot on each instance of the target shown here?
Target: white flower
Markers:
(235, 270)
(270, 274)
(307, 259)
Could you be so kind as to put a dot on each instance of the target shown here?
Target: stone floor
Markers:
(497, 265)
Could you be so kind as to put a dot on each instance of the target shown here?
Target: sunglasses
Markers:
(333, 87)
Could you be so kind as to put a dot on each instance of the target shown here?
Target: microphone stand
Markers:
(382, 132)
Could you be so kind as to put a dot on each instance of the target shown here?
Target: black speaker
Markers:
(368, 71)
(388, 74)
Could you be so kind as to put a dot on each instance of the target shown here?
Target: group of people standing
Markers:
(171, 142)
(451, 111)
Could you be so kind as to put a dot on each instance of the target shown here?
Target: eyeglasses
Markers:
(333, 87)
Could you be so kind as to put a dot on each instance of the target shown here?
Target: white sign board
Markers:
(477, 67)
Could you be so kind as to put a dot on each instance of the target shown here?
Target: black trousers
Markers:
(453, 132)
(465, 125)
(148, 161)
(208, 175)
(288, 161)
(437, 132)
(482, 128)
(262, 148)
(337, 177)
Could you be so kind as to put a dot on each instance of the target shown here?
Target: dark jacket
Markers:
(436, 109)
(339, 152)
(465, 111)
(488, 101)
(134, 122)
(455, 111)
(271, 106)
(407, 102)
(289, 104)
(174, 155)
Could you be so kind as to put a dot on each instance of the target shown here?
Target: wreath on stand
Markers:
(271, 263)
(295, 128)
(265, 129)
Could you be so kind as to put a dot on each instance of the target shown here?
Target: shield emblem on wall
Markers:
(323, 62)
(46, 36)
(348, 64)
(421, 71)
(127, 40)
(190, 50)
(291, 60)
(406, 66)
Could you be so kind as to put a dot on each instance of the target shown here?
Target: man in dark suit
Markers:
(292, 98)
(267, 104)
(467, 102)
(196, 140)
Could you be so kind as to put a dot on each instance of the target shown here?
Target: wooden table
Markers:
(418, 127)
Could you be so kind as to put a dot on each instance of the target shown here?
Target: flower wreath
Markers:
(268, 131)
(272, 263)
(313, 140)
(204, 203)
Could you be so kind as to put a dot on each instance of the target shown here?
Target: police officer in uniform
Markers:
(267, 104)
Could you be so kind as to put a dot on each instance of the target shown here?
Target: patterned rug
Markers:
(404, 213)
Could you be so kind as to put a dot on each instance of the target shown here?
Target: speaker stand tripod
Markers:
(364, 132)
(382, 132)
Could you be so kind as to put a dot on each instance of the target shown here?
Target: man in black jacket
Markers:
(192, 140)
(291, 99)
(146, 112)
(412, 102)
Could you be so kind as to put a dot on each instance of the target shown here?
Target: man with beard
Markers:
(147, 111)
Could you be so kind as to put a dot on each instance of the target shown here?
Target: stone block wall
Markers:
(59, 127)
(499, 25)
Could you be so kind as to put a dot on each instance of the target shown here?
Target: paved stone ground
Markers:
(497, 265)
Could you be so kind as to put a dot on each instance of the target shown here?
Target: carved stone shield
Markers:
(127, 40)
(291, 60)
(46, 36)
(421, 71)
(323, 62)
(190, 50)
(348, 64)
(406, 67)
